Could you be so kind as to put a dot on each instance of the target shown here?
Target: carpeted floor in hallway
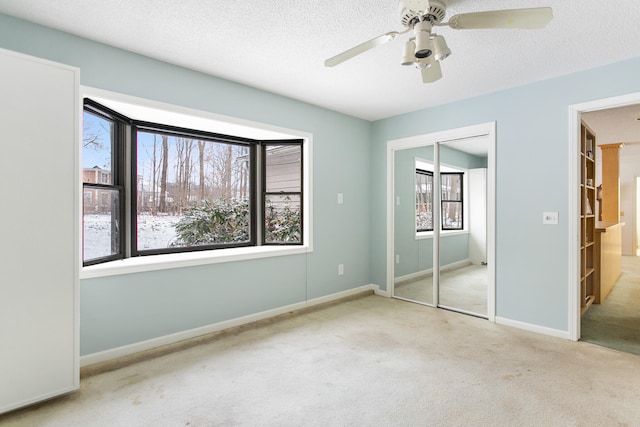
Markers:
(616, 323)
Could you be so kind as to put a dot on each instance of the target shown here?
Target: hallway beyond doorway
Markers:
(616, 323)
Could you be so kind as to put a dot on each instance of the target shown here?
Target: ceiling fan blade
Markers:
(361, 48)
(432, 73)
(512, 18)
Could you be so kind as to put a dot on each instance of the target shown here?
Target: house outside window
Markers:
(102, 211)
(282, 193)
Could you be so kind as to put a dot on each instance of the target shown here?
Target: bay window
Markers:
(171, 189)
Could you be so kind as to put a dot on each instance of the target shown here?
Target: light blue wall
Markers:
(532, 161)
(121, 310)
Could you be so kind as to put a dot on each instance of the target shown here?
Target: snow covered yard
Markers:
(154, 232)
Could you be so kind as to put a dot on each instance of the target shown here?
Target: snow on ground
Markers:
(154, 232)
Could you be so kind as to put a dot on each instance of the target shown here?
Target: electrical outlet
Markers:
(340, 269)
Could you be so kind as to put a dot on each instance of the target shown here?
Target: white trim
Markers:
(187, 259)
(77, 233)
(453, 265)
(126, 350)
(381, 292)
(437, 224)
(491, 222)
(412, 276)
(575, 111)
(636, 224)
(532, 328)
(206, 121)
(421, 235)
(391, 149)
(486, 129)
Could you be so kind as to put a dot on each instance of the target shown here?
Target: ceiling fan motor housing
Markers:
(435, 13)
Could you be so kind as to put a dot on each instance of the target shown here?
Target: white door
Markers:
(39, 214)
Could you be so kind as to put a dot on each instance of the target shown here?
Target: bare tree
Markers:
(163, 174)
(92, 137)
(227, 177)
(201, 146)
(183, 171)
(154, 177)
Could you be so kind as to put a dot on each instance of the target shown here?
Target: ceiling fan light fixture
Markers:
(440, 48)
(423, 39)
(408, 57)
(423, 45)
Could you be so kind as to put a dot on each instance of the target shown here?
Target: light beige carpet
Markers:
(463, 288)
(372, 361)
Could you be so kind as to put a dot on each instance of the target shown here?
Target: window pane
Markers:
(101, 224)
(97, 149)
(424, 202)
(283, 222)
(451, 186)
(191, 192)
(283, 168)
(451, 215)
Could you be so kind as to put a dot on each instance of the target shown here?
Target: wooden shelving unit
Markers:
(588, 273)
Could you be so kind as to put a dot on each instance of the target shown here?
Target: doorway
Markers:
(628, 209)
(441, 243)
(636, 241)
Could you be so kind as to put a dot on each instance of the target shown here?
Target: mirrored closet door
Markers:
(440, 219)
(413, 272)
(463, 275)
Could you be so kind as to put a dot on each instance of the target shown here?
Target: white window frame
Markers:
(159, 112)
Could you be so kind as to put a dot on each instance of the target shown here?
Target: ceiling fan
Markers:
(425, 49)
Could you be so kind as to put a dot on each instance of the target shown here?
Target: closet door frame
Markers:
(485, 129)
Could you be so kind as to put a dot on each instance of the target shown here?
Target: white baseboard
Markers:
(412, 276)
(533, 328)
(453, 265)
(380, 292)
(111, 354)
(457, 264)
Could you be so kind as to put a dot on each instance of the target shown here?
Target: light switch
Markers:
(340, 198)
(550, 218)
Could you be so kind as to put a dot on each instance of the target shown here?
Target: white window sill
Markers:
(429, 234)
(188, 259)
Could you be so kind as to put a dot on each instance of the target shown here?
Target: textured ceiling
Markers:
(620, 124)
(280, 45)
